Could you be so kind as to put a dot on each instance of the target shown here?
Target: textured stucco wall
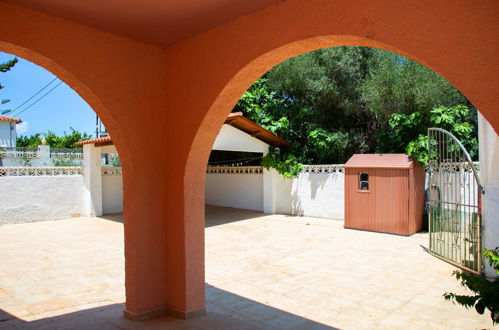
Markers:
(243, 191)
(489, 174)
(315, 195)
(112, 194)
(37, 198)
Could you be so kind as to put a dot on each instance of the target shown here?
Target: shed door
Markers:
(392, 201)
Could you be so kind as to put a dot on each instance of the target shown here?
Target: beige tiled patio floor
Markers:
(267, 272)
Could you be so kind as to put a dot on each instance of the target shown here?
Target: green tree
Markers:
(5, 67)
(334, 102)
(67, 140)
(408, 131)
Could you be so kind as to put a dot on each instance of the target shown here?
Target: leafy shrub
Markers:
(486, 292)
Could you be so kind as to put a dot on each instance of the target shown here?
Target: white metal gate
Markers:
(455, 202)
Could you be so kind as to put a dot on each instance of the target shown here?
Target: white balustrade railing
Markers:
(74, 170)
(111, 171)
(453, 167)
(234, 170)
(320, 169)
(18, 152)
(65, 153)
(40, 171)
(323, 169)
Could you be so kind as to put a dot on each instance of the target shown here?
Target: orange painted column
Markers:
(164, 258)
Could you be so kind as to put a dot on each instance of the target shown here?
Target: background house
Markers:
(8, 133)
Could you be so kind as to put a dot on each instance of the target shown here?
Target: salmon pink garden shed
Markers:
(385, 193)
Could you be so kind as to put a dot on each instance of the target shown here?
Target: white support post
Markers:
(93, 178)
(44, 156)
(489, 175)
(269, 191)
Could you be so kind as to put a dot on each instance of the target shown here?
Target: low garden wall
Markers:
(29, 194)
(318, 191)
(34, 194)
(238, 187)
(48, 193)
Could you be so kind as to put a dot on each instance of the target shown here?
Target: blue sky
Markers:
(60, 109)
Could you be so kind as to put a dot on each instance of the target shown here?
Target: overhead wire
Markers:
(32, 96)
(37, 100)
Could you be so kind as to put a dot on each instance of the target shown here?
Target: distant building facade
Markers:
(8, 133)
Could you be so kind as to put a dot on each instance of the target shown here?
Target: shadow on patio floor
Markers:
(225, 310)
(217, 215)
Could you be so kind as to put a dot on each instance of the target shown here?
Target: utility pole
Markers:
(100, 129)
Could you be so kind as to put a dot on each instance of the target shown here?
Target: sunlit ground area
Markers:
(268, 272)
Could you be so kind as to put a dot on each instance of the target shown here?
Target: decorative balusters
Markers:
(17, 152)
(40, 171)
(323, 169)
(60, 153)
(111, 171)
(235, 170)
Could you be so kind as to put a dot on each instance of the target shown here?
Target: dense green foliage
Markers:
(334, 102)
(5, 67)
(457, 120)
(67, 140)
(486, 292)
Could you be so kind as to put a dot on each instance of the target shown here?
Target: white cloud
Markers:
(22, 128)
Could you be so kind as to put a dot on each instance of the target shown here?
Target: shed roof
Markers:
(379, 161)
(5, 118)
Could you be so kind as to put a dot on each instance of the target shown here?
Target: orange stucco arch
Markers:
(70, 79)
(209, 72)
(164, 106)
(122, 80)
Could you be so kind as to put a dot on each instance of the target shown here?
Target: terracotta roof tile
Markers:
(97, 140)
(5, 118)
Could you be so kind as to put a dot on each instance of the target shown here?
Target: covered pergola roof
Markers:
(235, 119)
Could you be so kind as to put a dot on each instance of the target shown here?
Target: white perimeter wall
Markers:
(311, 194)
(242, 191)
(112, 194)
(489, 174)
(35, 198)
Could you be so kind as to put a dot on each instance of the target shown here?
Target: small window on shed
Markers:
(363, 181)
